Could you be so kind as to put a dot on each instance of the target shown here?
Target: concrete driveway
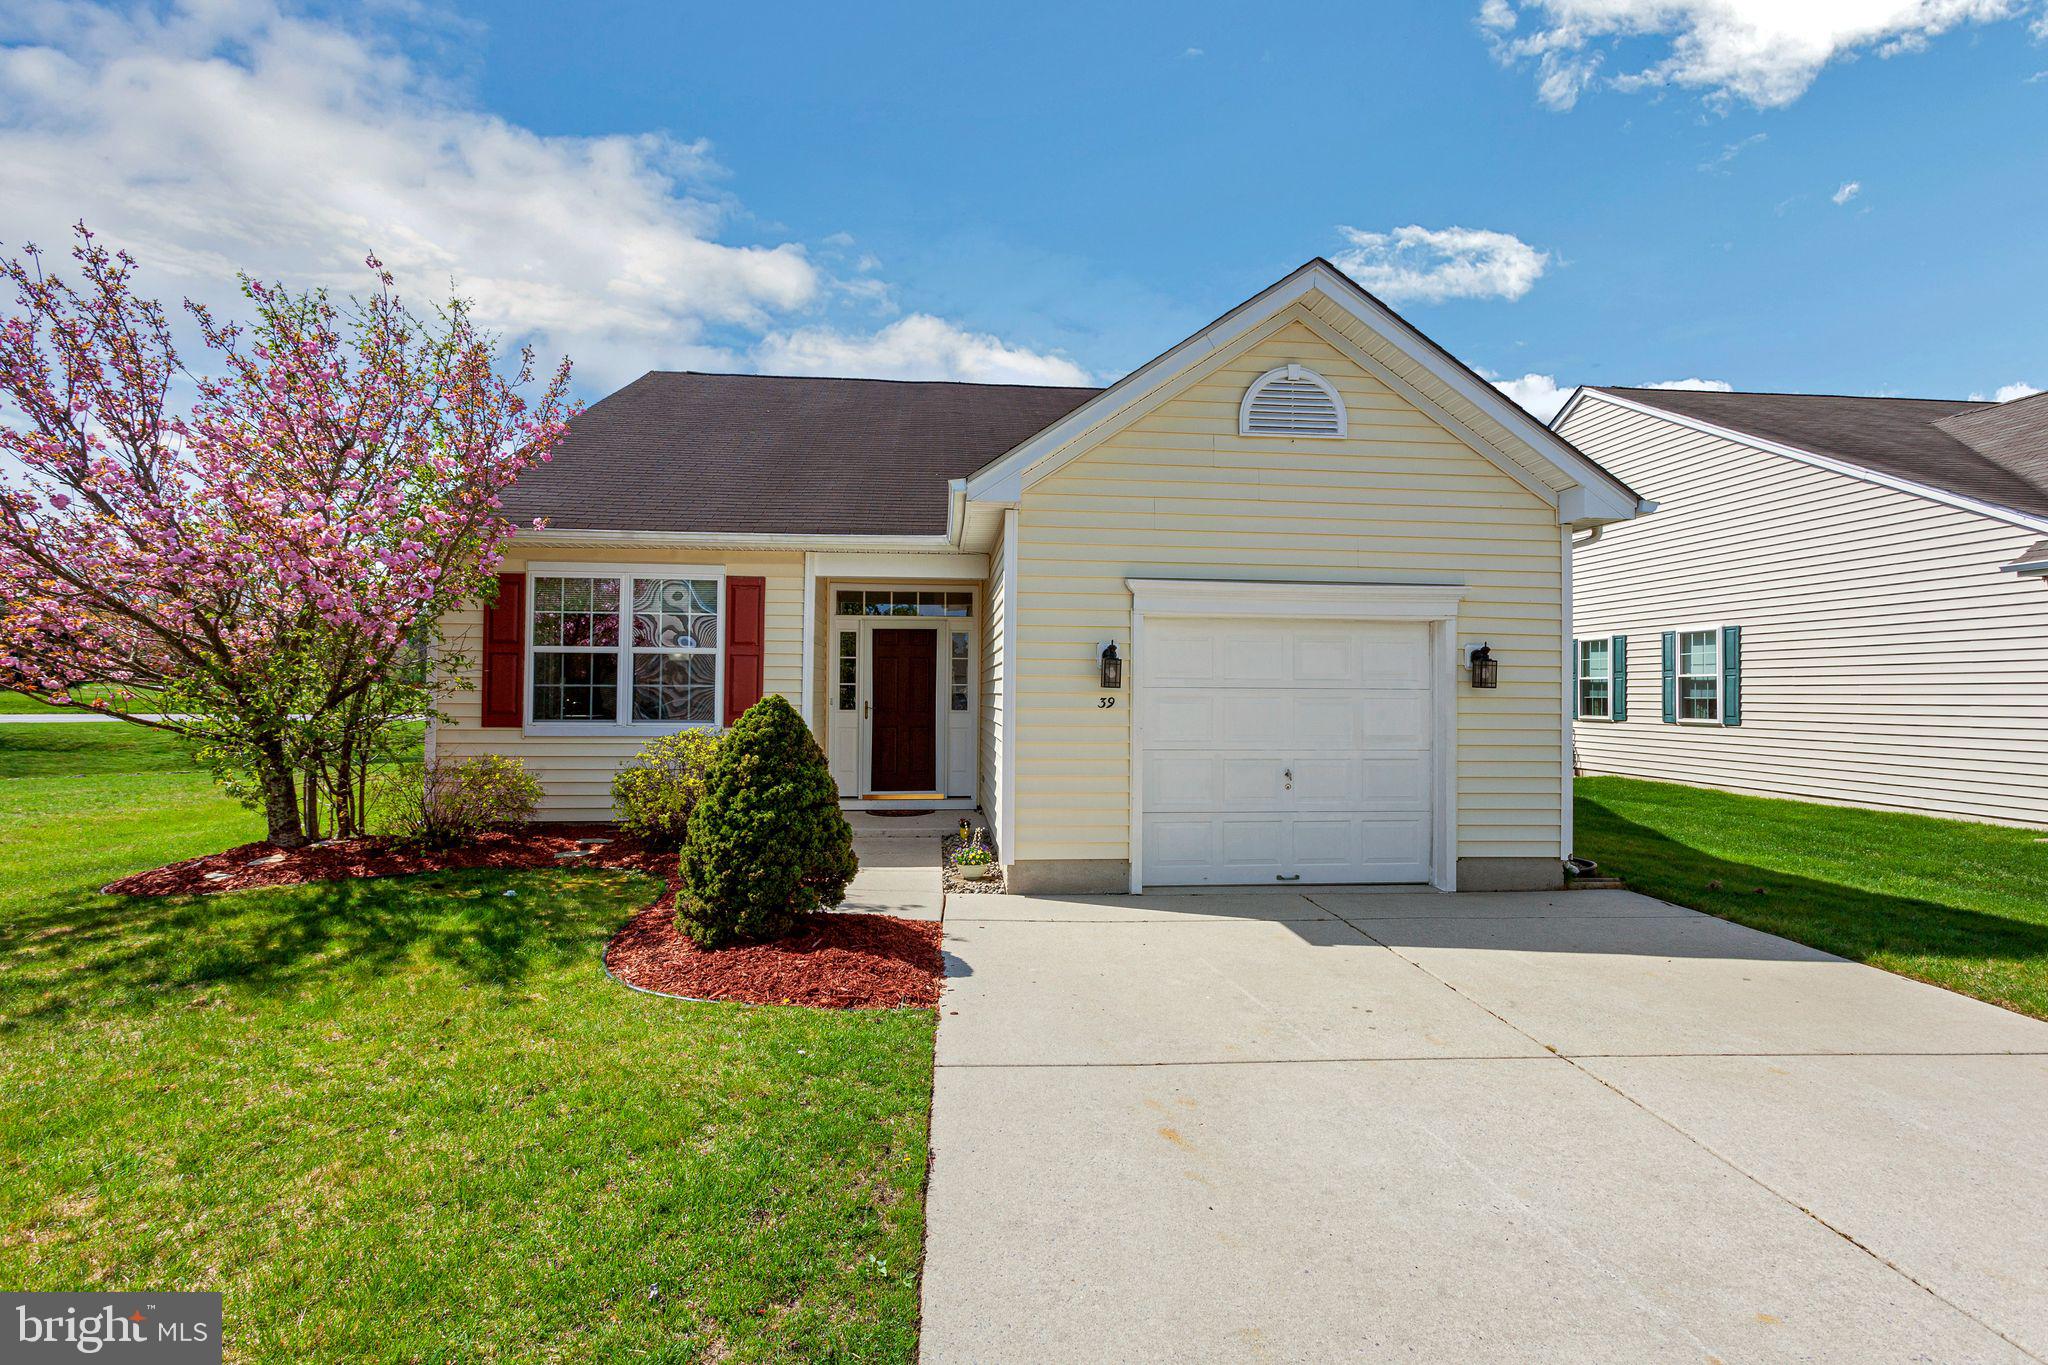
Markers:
(1573, 1127)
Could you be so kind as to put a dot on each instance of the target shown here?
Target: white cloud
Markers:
(1850, 189)
(1189, 54)
(1538, 394)
(1762, 52)
(221, 136)
(1430, 265)
(2006, 393)
(1543, 397)
(919, 346)
(1695, 385)
(1731, 151)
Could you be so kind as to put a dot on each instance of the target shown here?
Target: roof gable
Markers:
(1382, 343)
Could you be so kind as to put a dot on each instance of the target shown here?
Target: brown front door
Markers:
(904, 733)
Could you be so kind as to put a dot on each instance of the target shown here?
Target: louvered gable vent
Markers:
(1291, 401)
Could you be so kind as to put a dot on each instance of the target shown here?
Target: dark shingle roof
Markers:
(1908, 438)
(766, 453)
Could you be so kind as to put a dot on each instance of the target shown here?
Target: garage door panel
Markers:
(1248, 719)
(1326, 720)
(1184, 781)
(1180, 719)
(1321, 845)
(1178, 657)
(1330, 782)
(1327, 658)
(1252, 845)
(1297, 750)
(1395, 720)
(1180, 848)
(1253, 782)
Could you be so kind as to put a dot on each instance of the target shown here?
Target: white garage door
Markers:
(1282, 750)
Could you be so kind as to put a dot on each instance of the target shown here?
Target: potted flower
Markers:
(974, 863)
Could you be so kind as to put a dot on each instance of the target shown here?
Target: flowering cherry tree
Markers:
(254, 556)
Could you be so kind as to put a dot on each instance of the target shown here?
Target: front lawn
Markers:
(1961, 905)
(413, 1119)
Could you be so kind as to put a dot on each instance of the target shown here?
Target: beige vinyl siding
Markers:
(575, 771)
(1179, 494)
(1886, 660)
(995, 597)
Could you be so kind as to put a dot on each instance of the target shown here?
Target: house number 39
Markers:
(1104, 703)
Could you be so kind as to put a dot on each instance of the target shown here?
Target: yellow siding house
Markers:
(1288, 604)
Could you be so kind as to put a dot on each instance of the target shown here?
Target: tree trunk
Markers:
(281, 803)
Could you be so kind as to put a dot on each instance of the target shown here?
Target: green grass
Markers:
(1961, 905)
(412, 1120)
(15, 704)
(91, 748)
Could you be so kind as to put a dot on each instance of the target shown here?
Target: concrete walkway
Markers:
(1572, 1127)
(899, 863)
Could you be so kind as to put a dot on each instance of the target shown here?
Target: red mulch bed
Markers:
(835, 961)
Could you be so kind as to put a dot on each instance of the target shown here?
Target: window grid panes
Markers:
(849, 668)
(1699, 675)
(902, 602)
(959, 666)
(575, 648)
(1596, 679)
(584, 634)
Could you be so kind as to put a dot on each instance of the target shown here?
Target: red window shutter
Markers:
(746, 610)
(504, 693)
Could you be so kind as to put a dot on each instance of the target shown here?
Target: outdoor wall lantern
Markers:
(1112, 667)
(1485, 668)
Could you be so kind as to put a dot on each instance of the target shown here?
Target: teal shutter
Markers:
(1670, 677)
(1617, 654)
(1731, 675)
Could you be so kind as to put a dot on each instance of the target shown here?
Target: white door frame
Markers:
(863, 721)
(1433, 603)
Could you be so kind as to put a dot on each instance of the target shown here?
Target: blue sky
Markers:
(1560, 191)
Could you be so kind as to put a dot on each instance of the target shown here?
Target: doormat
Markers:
(890, 813)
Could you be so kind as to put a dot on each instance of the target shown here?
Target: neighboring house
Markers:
(1838, 599)
(1292, 527)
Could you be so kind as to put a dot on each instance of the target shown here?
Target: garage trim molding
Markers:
(1435, 603)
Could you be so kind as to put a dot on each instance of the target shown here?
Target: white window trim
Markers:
(625, 573)
(1297, 372)
(1434, 603)
(1679, 675)
(1580, 677)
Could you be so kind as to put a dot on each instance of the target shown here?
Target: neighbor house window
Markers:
(1699, 675)
(1596, 679)
(626, 648)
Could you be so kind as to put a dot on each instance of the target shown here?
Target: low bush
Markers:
(767, 842)
(449, 800)
(654, 794)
